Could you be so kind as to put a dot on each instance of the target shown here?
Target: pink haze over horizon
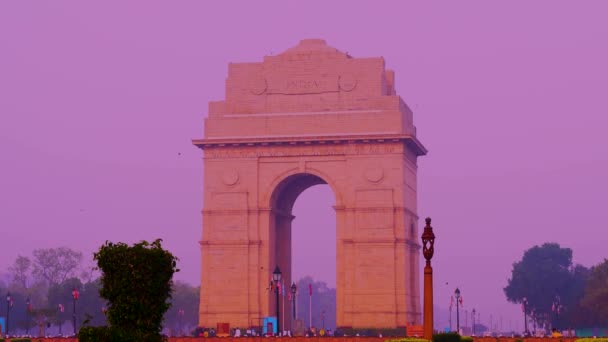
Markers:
(99, 103)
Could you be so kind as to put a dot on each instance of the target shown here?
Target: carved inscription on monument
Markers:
(295, 85)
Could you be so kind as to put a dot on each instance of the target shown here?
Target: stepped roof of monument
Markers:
(316, 46)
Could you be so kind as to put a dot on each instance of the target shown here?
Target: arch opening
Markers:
(290, 234)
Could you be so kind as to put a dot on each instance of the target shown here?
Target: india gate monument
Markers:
(310, 115)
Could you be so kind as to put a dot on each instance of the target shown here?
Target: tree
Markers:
(323, 303)
(184, 297)
(20, 271)
(596, 294)
(136, 281)
(91, 305)
(54, 265)
(545, 276)
(575, 314)
(62, 294)
(18, 315)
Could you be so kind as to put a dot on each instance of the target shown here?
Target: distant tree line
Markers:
(323, 303)
(555, 293)
(46, 280)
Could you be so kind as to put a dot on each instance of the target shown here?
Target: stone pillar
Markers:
(428, 302)
(428, 242)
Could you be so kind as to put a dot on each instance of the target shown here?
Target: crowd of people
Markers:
(253, 332)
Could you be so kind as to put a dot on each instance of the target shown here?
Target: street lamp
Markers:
(276, 277)
(28, 309)
(473, 321)
(61, 309)
(533, 317)
(9, 304)
(294, 290)
(557, 308)
(323, 318)
(180, 314)
(451, 305)
(524, 307)
(457, 295)
(75, 295)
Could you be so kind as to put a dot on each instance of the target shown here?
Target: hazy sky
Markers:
(99, 102)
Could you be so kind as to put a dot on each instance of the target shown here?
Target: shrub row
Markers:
(446, 337)
(373, 332)
(408, 339)
(110, 334)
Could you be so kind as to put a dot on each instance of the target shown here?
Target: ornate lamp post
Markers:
(524, 307)
(61, 309)
(75, 295)
(557, 308)
(473, 321)
(451, 305)
(276, 278)
(323, 318)
(457, 295)
(9, 304)
(180, 315)
(428, 243)
(533, 318)
(28, 309)
(294, 290)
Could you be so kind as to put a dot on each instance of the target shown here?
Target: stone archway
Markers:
(281, 204)
(310, 115)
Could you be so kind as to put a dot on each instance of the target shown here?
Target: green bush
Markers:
(371, 332)
(19, 340)
(446, 337)
(588, 339)
(466, 339)
(408, 339)
(136, 280)
(111, 334)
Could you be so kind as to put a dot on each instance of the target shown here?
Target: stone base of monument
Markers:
(414, 330)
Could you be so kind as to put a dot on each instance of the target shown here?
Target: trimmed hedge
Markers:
(136, 280)
(466, 339)
(408, 339)
(446, 337)
(370, 332)
(111, 334)
(590, 339)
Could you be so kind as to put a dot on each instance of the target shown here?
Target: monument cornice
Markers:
(228, 243)
(244, 141)
(401, 241)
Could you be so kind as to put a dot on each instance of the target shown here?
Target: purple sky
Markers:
(97, 100)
